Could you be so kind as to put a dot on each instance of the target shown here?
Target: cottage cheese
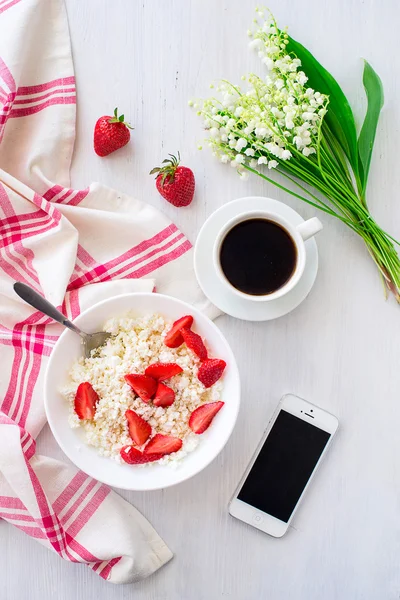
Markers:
(137, 342)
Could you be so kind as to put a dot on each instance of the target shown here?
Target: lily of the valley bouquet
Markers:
(297, 121)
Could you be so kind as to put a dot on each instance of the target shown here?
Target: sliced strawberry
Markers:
(174, 338)
(163, 371)
(139, 429)
(210, 371)
(194, 342)
(133, 456)
(164, 396)
(143, 385)
(201, 418)
(85, 401)
(162, 444)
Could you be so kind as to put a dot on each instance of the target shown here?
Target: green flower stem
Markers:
(320, 185)
(288, 168)
(285, 189)
(330, 144)
(321, 205)
(341, 157)
(328, 159)
(333, 184)
(392, 239)
(329, 211)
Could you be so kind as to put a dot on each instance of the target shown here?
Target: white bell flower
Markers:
(241, 143)
(275, 118)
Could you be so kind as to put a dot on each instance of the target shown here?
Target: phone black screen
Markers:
(283, 466)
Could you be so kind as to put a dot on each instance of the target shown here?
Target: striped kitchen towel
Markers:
(75, 247)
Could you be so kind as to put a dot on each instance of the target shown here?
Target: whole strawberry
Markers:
(175, 183)
(110, 134)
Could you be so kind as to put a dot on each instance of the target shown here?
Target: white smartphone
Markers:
(294, 443)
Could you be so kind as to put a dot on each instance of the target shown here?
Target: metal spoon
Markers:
(90, 340)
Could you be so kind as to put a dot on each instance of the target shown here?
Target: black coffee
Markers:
(258, 256)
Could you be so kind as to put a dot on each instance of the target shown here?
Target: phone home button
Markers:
(258, 519)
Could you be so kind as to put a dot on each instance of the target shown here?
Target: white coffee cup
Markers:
(299, 234)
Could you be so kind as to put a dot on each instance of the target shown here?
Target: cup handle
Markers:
(309, 228)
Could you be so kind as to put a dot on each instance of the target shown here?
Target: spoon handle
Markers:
(37, 301)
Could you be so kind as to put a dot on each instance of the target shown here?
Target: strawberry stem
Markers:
(169, 168)
(119, 119)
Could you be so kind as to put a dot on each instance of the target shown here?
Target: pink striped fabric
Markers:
(58, 91)
(75, 247)
(63, 83)
(8, 4)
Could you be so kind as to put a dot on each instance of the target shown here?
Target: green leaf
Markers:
(121, 119)
(339, 117)
(374, 92)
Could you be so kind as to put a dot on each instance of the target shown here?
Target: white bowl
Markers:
(152, 477)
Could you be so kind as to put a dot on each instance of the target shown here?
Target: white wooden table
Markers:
(339, 349)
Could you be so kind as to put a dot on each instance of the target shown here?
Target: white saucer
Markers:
(215, 290)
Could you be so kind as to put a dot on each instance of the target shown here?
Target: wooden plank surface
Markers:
(339, 349)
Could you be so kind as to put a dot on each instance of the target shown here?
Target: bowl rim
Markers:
(232, 365)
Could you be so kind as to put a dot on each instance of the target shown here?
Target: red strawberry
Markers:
(164, 396)
(139, 429)
(144, 386)
(85, 401)
(133, 456)
(162, 444)
(163, 371)
(210, 371)
(194, 342)
(110, 134)
(175, 183)
(201, 418)
(174, 338)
